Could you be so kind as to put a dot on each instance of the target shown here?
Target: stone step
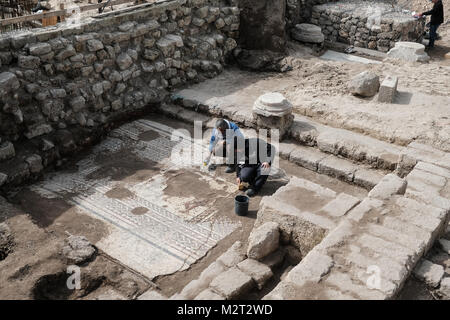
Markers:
(348, 144)
(308, 157)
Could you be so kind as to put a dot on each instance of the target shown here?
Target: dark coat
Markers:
(437, 13)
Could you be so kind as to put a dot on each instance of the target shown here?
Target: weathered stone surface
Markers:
(124, 61)
(39, 49)
(338, 168)
(309, 33)
(8, 82)
(193, 288)
(363, 208)
(429, 272)
(208, 294)
(232, 256)
(367, 178)
(232, 284)
(78, 249)
(365, 84)
(308, 158)
(312, 268)
(7, 150)
(388, 89)
(409, 51)
(258, 271)
(341, 205)
(94, 45)
(152, 295)
(445, 245)
(35, 163)
(388, 186)
(263, 240)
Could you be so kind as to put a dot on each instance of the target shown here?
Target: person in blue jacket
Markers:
(221, 143)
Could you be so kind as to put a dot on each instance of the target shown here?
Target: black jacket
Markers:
(437, 13)
(255, 153)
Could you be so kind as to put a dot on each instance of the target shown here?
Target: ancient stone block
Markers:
(263, 240)
(388, 89)
(232, 284)
(390, 184)
(258, 271)
(365, 84)
(429, 272)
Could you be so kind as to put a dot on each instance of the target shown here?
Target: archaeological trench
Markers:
(98, 176)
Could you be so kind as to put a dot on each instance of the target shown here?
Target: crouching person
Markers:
(256, 158)
(221, 142)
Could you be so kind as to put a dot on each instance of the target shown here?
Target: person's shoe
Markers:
(230, 169)
(250, 192)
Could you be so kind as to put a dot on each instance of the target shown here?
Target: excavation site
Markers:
(225, 150)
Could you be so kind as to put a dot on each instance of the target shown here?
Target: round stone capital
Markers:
(272, 104)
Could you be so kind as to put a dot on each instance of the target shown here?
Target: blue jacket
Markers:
(217, 135)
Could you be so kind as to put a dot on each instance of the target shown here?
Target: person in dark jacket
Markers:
(437, 18)
(255, 158)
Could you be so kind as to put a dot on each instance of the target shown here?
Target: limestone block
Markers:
(367, 178)
(339, 206)
(388, 89)
(152, 295)
(263, 240)
(308, 158)
(312, 268)
(365, 84)
(232, 284)
(232, 256)
(390, 184)
(208, 294)
(338, 168)
(429, 272)
(258, 271)
(409, 51)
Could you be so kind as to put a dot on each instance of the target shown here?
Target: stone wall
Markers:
(366, 24)
(63, 87)
(300, 11)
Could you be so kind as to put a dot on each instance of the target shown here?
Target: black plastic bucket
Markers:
(241, 205)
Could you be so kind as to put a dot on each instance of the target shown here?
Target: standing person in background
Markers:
(437, 18)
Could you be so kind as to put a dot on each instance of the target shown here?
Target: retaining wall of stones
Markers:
(358, 23)
(300, 11)
(63, 87)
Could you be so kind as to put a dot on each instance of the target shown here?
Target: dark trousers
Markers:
(255, 175)
(433, 34)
